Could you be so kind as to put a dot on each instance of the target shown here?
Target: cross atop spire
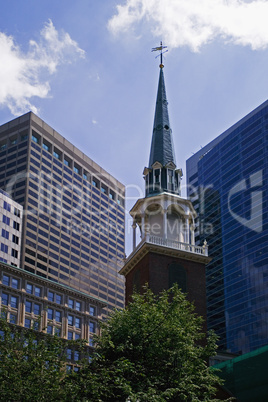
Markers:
(160, 49)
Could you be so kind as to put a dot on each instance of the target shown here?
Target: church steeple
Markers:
(166, 252)
(162, 175)
(162, 149)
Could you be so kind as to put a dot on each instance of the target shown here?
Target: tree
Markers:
(154, 350)
(151, 351)
(32, 365)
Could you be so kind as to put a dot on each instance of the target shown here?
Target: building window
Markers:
(13, 141)
(46, 146)
(50, 329)
(95, 183)
(71, 303)
(50, 296)
(104, 189)
(50, 314)
(29, 288)
(36, 325)
(35, 138)
(74, 304)
(14, 302)
(76, 356)
(7, 206)
(69, 354)
(16, 225)
(58, 316)
(4, 248)
(37, 309)
(37, 291)
(6, 220)
(170, 179)
(77, 322)
(58, 299)
(14, 253)
(70, 320)
(4, 299)
(5, 234)
(28, 306)
(15, 283)
(16, 212)
(85, 175)
(5, 280)
(112, 195)
(92, 311)
(15, 239)
(24, 137)
(177, 274)
(13, 318)
(57, 154)
(77, 169)
(27, 323)
(67, 161)
(157, 178)
(92, 327)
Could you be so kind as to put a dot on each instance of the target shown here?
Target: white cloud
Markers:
(194, 23)
(22, 74)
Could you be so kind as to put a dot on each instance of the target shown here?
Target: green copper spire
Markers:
(162, 176)
(162, 149)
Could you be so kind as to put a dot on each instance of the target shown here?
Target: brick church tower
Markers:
(166, 252)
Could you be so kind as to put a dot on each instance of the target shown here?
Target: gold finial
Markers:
(160, 49)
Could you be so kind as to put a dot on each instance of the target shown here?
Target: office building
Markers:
(73, 220)
(167, 253)
(228, 185)
(30, 301)
(10, 229)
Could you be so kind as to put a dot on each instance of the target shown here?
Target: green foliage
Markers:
(154, 350)
(32, 365)
(151, 351)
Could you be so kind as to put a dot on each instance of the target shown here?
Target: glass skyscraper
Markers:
(73, 223)
(228, 185)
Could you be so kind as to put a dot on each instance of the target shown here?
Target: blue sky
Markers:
(85, 67)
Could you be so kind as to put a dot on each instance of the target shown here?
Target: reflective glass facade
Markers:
(73, 228)
(228, 184)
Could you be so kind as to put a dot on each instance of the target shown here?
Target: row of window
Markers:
(14, 140)
(53, 315)
(71, 165)
(6, 221)
(5, 235)
(4, 249)
(51, 296)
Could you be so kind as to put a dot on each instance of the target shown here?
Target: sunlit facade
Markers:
(73, 224)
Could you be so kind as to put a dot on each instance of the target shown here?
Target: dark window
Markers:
(15, 239)
(16, 225)
(177, 274)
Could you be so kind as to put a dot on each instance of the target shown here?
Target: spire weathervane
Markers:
(160, 49)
